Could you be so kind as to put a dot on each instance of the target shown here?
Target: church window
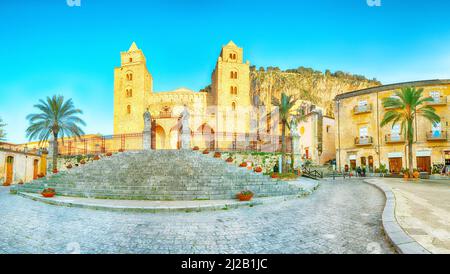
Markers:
(129, 92)
(131, 59)
(129, 109)
(233, 74)
(233, 90)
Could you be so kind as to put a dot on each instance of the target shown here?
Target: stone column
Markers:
(185, 130)
(51, 141)
(147, 133)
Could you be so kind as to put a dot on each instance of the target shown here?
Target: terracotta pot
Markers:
(109, 154)
(82, 162)
(416, 174)
(229, 160)
(243, 165)
(274, 175)
(258, 169)
(55, 171)
(48, 194)
(217, 155)
(96, 158)
(205, 152)
(243, 197)
(69, 166)
(196, 148)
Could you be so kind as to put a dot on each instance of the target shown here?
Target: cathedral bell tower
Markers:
(133, 85)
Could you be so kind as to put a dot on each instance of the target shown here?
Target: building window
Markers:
(436, 96)
(129, 109)
(233, 56)
(233, 90)
(131, 60)
(129, 76)
(328, 129)
(129, 92)
(233, 74)
(233, 106)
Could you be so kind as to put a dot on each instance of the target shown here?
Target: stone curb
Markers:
(160, 209)
(402, 242)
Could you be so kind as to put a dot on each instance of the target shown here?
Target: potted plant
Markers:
(217, 154)
(243, 164)
(55, 171)
(205, 151)
(82, 162)
(196, 148)
(20, 182)
(121, 150)
(96, 158)
(258, 169)
(40, 175)
(274, 175)
(416, 174)
(229, 160)
(69, 166)
(245, 195)
(108, 154)
(48, 192)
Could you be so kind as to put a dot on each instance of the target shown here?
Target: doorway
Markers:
(35, 169)
(9, 170)
(424, 164)
(395, 165)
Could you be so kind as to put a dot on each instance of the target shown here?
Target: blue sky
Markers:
(47, 47)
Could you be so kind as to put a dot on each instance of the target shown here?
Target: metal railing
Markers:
(364, 141)
(392, 139)
(226, 142)
(362, 109)
(441, 100)
(437, 135)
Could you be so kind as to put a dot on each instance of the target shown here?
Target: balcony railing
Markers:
(362, 109)
(364, 141)
(437, 136)
(393, 139)
(438, 101)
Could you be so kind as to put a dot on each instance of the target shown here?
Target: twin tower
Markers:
(133, 95)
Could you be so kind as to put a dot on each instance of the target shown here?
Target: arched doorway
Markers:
(9, 170)
(160, 137)
(207, 136)
(371, 164)
(35, 169)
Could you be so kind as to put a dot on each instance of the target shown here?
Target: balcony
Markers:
(393, 139)
(364, 141)
(437, 136)
(362, 109)
(438, 101)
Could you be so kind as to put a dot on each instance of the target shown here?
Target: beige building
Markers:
(18, 165)
(317, 137)
(361, 141)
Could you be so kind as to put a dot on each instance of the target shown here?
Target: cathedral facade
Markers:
(218, 117)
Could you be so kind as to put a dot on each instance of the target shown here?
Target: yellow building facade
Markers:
(360, 141)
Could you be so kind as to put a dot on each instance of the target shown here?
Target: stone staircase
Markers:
(160, 175)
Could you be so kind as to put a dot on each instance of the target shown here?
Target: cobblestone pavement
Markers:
(340, 217)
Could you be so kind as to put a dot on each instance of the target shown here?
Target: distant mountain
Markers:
(307, 84)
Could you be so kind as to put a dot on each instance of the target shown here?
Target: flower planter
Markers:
(243, 165)
(258, 169)
(416, 175)
(195, 148)
(55, 171)
(48, 192)
(96, 158)
(6, 184)
(244, 197)
(205, 151)
(109, 154)
(69, 166)
(229, 160)
(217, 155)
(121, 150)
(274, 175)
(82, 162)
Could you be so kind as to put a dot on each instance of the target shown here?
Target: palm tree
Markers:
(284, 105)
(404, 106)
(58, 119)
(2, 131)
